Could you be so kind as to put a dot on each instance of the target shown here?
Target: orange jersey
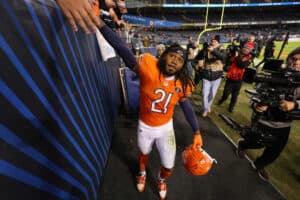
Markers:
(158, 95)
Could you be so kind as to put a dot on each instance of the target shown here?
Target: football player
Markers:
(164, 82)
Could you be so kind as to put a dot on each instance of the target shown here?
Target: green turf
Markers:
(285, 171)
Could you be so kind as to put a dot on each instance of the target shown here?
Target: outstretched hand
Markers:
(197, 142)
(80, 12)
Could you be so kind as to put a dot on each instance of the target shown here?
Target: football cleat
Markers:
(140, 182)
(162, 189)
(197, 161)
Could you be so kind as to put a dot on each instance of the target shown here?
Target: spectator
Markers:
(146, 41)
(116, 14)
(115, 9)
(160, 49)
(192, 49)
(212, 72)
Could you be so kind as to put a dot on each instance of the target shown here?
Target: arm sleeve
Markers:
(189, 114)
(119, 45)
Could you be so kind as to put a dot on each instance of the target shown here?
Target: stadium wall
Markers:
(58, 103)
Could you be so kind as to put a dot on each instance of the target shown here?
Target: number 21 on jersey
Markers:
(164, 99)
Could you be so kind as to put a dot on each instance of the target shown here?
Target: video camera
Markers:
(275, 84)
(261, 138)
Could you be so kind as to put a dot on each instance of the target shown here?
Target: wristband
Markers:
(197, 132)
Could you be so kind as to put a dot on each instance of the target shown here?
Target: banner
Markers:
(150, 22)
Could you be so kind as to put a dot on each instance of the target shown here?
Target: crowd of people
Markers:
(210, 64)
(166, 80)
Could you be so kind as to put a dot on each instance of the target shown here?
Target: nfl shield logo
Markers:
(177, 89)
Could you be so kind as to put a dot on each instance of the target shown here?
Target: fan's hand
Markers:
(81, 12)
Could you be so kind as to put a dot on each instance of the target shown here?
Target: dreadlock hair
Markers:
(182, 75)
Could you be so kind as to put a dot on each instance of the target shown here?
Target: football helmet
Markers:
(197, 161)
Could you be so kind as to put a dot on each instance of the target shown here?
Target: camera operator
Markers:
(233, 84)
(272, 125)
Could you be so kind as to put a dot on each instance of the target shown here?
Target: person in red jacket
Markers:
(235, 75)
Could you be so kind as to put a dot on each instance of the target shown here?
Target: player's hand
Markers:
(197, 142)
(80, 12)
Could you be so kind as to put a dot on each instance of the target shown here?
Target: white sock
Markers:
(142, 173)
